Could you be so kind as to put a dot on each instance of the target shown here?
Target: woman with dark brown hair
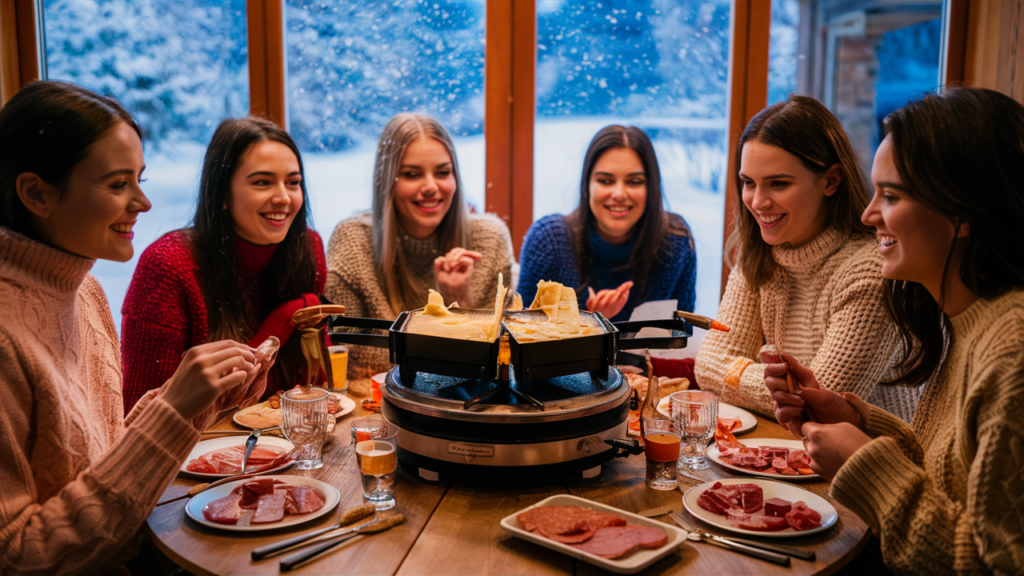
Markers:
(246, 265)
(943, 495)
(808, 275)
(620, 247)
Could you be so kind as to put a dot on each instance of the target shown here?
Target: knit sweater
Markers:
(548, 253)
(946, 495)
(78, 479)
(352, 275)
(164, 312)
(825, 307)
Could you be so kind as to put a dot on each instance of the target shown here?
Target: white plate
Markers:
(345, 404)
(212, 444)
(631, 563)
(713, 452)
(772, 489)
(747, 420)
(194, 508)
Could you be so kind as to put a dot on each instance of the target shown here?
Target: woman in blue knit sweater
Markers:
(619, 248)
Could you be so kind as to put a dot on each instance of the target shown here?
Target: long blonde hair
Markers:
(400, 285)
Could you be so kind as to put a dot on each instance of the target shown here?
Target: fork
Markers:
(694, 534)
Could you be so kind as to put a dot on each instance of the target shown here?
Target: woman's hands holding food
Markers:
(828, 407)
(831, 445)
(453, 271)
(206, 372)
(609, 302)
(250, 391)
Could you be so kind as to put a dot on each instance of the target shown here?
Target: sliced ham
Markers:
(252, 490)
(224, 510)
(616, 541)
(302, 499)
(229, 460)
(263, 501)
(270, 508)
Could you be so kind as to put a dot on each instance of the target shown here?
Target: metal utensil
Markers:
(299, 558)
(269, 430)
(652, 512)
(794, 552)
(250, 443)
(303, 540)
(695, 534)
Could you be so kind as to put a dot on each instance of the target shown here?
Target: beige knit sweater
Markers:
(77, 479)
(946, 495)
(352, 277)
(824, 307)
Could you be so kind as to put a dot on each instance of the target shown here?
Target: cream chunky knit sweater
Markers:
(77, 479)
(824, 307)
(946, 495)
(352, 276)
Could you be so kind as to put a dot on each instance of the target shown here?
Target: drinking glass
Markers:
(696, 415)
(662, 453)
(366, 428)
(304, 422)
(378, 461)
(339, 368)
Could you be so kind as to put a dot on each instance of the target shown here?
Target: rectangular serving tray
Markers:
(631, 563)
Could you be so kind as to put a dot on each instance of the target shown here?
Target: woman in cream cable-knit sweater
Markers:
(78, 478)
(946, 494)
(808, 277)
(418, 236)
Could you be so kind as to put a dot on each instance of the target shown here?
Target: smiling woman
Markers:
(247, 264)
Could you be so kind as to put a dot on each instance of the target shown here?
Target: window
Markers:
(352, 65)
(179, 68)
(659, 65)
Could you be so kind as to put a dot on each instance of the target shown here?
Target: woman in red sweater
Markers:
(248, 262)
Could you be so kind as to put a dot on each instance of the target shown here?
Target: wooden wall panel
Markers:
(524, 109)
(10, 71)
(266, 60)
(498, 109)
(994, 55)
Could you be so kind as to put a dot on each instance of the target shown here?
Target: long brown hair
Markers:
(291, 271)
(650, 230)
(960, 154)
(401, 286)
(806, 129)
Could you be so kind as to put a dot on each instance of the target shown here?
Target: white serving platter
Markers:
(713, 453)
(772, 489)
(194, 508)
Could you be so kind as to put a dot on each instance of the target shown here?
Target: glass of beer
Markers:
(661, 447)
(696, 415)
(304, 423)
(378, 462)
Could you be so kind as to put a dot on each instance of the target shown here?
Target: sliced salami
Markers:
(616, 541)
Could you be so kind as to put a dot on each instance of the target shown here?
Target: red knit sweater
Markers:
(164, 312)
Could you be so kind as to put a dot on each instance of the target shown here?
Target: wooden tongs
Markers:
(312, 322)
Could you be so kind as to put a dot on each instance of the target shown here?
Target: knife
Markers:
(289, 563)
(652, 512)
(347, 517)
(794, 552)
(695, 534)
(250, 443)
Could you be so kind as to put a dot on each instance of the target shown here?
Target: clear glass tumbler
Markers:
(661, 450)
(696, 415)
(304, 422)
(366, 428)
(378, 463)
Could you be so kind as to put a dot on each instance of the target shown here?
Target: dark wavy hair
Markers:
(654, 225)
(806, 129)
(960, 153)
(291, 271)
(47, 128)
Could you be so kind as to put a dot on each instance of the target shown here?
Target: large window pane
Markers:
(861, 59)
(658, 65)
(353, 64)
(179, 67)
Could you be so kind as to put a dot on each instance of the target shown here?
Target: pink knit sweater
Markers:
(78, 479)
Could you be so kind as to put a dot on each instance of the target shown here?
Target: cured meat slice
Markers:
(803, 517)
(616, 541)
(302, 499)
(270, 508)
(713, 501)
(252, 490)
(566, 524)
(772, 452)
(229, 460)
(758, 521)
(780, 464)
(777, 507)
(224, 510)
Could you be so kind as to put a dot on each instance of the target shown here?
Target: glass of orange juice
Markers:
(661, 448)
(339, 368)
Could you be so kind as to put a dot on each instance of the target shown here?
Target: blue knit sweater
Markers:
(547, 254)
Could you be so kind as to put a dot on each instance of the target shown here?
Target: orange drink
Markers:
(339, 367)
(662, 446)
(376, 458)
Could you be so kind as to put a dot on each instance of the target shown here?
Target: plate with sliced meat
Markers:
(760, 507)
(738, 419)
(222, 457)
(263, 503)
(613, 539)
(767, 457)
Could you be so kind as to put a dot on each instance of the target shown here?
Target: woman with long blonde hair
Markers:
(418, 236)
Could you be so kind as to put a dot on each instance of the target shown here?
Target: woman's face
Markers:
(785, 198)
(266, 193)
(103, 200)
(424, 187)
(914, 240)
(618, 193)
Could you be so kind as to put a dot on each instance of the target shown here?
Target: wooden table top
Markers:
(452, 526)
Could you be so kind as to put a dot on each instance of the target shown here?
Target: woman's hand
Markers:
(453, 271)
(206, 372)
(609, 302)
(831, 445)
(255, 384)
(829, 407)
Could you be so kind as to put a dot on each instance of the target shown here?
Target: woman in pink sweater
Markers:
(79, 479)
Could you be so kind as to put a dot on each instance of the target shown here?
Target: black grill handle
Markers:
(661, 343)
(356, 338)
(340, 321)
(675, 324)
(625, 447)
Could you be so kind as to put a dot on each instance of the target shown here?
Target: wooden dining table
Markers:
(452, 525)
